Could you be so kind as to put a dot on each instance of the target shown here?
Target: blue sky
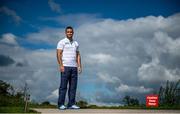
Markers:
(32, 11)
(128, 47)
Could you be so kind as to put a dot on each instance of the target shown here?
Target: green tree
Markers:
(170, 94)
(8, 97)
(82, 104)
(4, 88)
(126, 100)
(129, 101)
(134, 102)
(45, 103)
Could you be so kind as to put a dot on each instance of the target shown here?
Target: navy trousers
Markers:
(69, 76)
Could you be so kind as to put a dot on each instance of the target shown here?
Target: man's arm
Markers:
(79, 62)
(59, 59)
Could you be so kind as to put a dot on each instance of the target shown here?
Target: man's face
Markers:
(69, 33)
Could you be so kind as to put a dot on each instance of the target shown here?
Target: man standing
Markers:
(69, 61)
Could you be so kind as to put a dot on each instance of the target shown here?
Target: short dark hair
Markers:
(69, 27)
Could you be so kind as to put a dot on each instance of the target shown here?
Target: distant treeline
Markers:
(169, 96)
(10, 97)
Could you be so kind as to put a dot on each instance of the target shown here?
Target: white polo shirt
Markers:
(69, 52)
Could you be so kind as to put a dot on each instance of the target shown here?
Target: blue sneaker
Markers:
(62, 107)
(74, 107)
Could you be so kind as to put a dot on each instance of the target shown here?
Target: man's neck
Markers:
(70, 39)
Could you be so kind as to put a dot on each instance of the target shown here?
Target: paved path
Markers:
(106, 111)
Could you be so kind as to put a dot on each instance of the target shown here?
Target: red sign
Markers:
(152, 101)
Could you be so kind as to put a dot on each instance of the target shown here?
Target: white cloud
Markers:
(9, 38)
(107, 78)
(54, 94)
(11, 13)
(166, 44)
(154, 72)
(46, 35)
(54, 6)
(132, 89)
(100, 58)
(39, 70)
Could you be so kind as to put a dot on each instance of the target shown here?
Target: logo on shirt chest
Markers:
(66, 43)
(69, 45)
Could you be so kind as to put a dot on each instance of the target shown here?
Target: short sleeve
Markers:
(60, 45)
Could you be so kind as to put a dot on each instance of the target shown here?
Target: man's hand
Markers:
(79, 70)
(62, 68)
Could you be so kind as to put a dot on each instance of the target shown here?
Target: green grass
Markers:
(14, 110)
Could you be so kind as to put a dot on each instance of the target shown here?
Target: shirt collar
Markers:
(69, 40)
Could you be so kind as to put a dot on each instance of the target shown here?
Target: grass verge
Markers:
(15, 110)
